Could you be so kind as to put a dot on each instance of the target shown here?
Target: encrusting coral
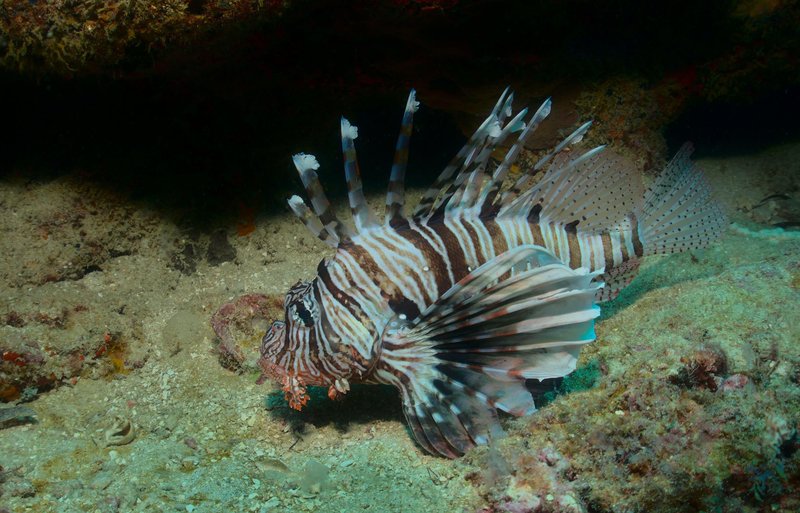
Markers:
(694, 410)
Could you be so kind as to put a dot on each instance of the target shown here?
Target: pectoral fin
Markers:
(522, 315)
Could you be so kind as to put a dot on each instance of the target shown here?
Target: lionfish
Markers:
(486, 284)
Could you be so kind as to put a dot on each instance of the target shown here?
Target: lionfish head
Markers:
(287, 346)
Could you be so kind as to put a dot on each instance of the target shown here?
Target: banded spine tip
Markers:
(348, 130)
(304, 162)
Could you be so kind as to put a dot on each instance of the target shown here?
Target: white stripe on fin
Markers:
(490, 190)
(395, 195)
(573, 138)
(445, 185)
(471, 192)
(311, 221)
(363, 217)
(331, 225)
(464, 191)
(470, 353)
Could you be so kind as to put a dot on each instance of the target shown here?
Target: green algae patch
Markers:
(583, 378)
(687, 400)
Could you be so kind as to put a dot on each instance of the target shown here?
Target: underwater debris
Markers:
(14, 319)
(240, 325)
(307, 481)
(185, 259)
(25, 366)
(780, 430)
(14, 484)
(705, 368)
(769, 475)
(778, 209)
(314, 477)
(16, 415)
(734, 382)
(121, 432)
(273, 465)
(538, 482)
(220, 249)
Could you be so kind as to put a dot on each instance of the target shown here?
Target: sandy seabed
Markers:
(104, 327)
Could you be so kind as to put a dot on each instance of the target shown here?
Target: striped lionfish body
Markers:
(485, 284)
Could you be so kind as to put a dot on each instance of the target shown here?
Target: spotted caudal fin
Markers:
(522, 315)
(678, 213)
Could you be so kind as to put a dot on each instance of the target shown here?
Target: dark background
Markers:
(207, 128)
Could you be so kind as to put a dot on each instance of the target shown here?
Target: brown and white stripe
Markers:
(477, 291)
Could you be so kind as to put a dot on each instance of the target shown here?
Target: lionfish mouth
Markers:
(292, 385)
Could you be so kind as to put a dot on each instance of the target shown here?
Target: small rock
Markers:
(734, 382)
(19, 487)
(220, 249)
(16, 415)
(270, 505)
(121, 432)
(185, 260)
(190, 463)
(101, 481)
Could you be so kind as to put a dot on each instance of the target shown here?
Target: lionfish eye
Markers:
(304, 314)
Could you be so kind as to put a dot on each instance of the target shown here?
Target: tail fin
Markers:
(678, 213)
